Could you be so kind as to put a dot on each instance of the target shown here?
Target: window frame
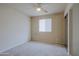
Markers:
(50, 27)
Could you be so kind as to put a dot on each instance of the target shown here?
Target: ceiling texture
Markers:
(30, 10)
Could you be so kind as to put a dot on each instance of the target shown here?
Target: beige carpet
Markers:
(38, 49)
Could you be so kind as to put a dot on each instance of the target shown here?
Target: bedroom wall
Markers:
(14, 28)
(57, 34)
(75, 29)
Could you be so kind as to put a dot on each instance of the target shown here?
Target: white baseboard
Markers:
(2, 51)
(69, 54)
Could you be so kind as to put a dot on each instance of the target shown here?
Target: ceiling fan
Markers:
(39, 7)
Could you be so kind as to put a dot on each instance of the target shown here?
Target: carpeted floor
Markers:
(38, 49)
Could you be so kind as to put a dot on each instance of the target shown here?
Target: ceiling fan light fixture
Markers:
(38, 9)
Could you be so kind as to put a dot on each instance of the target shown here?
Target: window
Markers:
(45, 25)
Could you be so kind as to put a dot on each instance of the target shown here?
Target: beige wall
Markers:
(57, 34)
(14, 28)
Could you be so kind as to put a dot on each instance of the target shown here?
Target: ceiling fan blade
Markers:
(44, 10)
(39, 5)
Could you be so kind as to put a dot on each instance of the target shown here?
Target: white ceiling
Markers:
(29, 9)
